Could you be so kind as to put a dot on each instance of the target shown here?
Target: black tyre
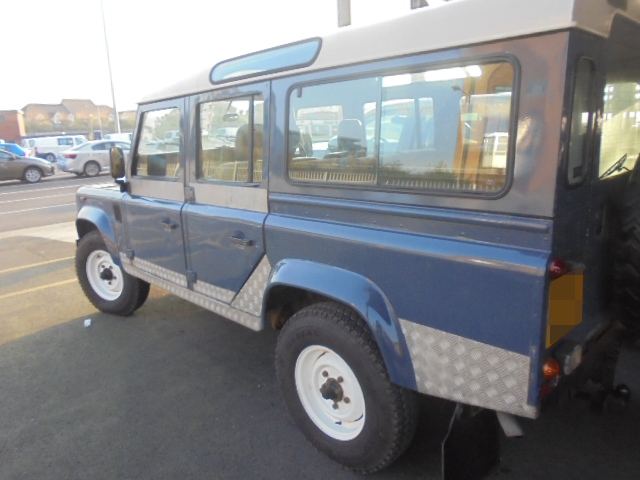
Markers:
(32, 175)
(91, 169)
(50, 157)
(105, 284)
(627, 258)
(337, 389)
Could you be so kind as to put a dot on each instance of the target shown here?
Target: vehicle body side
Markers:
(454, 286)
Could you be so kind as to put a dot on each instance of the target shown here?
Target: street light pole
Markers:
(106, 45)
(344, 13)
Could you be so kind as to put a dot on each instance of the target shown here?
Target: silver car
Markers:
(29, 169)
(90, 158)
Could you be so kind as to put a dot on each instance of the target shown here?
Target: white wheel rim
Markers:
(316, 367)
(32, 175)
(92, 169)
(107, 285)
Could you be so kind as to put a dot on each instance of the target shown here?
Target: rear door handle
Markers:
(168, 225)
(238, 239)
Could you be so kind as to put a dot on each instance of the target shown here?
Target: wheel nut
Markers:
(335, 406)
(346, 400)
(325, 374)
(340, 379)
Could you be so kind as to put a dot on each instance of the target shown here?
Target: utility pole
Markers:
(344, 13)
(106, 45)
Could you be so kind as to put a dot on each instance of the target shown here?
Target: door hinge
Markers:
(189, 194)
(192, 277)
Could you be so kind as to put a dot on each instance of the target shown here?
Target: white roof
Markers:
(456, 23)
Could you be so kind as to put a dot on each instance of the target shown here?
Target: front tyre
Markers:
(32, 175)
(109, 288)
(337, 389)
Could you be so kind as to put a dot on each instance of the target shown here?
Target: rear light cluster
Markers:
(558, 268)
(551, 372)
(70, 155)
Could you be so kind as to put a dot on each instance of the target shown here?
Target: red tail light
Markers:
(70, 155)
(558, 268)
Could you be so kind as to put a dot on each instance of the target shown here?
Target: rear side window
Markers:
(158, 151)
(231, 140)
(101, 146)
(65, 141)
(439, 129)
(581, 123)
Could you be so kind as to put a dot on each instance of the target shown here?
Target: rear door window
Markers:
(620, 126)
(231, 140)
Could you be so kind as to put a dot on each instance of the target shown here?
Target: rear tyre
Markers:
(337, 389)
(627, 257)
(32, 175)
(91, 169)
(50, 157)
(109, 288)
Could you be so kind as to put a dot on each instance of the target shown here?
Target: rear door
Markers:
(227, 207)
(154, 226)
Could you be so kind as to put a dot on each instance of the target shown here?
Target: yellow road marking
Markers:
(35, 289)
(33, 265)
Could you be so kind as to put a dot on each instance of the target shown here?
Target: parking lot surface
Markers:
(176, 392)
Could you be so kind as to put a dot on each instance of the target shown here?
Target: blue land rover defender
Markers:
(449, 211)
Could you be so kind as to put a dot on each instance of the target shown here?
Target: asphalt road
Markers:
(175, 392)
(48, 202)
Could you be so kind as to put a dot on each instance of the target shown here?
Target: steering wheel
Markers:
(618, 165)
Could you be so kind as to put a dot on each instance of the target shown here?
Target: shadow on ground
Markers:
(175, 392)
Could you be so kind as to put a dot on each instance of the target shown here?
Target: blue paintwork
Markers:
(491, 294)
(212, 252)
(146, 235)
(363, 296)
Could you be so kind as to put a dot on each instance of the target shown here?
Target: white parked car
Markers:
(90, 158)
(121, 137)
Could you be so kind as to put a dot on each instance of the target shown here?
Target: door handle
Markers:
(168, 225)
(238, 239)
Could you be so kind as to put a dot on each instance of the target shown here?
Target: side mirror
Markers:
(116, 160)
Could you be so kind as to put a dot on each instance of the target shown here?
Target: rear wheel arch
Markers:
(298, 284)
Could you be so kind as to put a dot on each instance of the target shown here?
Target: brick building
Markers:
(11, 125)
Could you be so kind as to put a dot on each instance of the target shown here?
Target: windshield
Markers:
(621, 114)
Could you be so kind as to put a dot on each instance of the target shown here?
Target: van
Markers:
(50, 147)
(450, 211)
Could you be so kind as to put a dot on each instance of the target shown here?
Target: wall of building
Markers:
(11, 125)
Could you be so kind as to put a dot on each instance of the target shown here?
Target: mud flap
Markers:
(471, 446)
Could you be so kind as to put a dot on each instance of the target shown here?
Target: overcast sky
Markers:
(55, 49)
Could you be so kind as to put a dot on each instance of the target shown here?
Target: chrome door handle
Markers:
(168, 225)
(238, 239)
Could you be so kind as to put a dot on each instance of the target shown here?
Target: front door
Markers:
(8, 169)
(224, 217)
(156, 194)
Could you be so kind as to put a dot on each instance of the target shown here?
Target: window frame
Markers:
(411, 68)
(144, 109)
(588, 146)
(250, 94)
